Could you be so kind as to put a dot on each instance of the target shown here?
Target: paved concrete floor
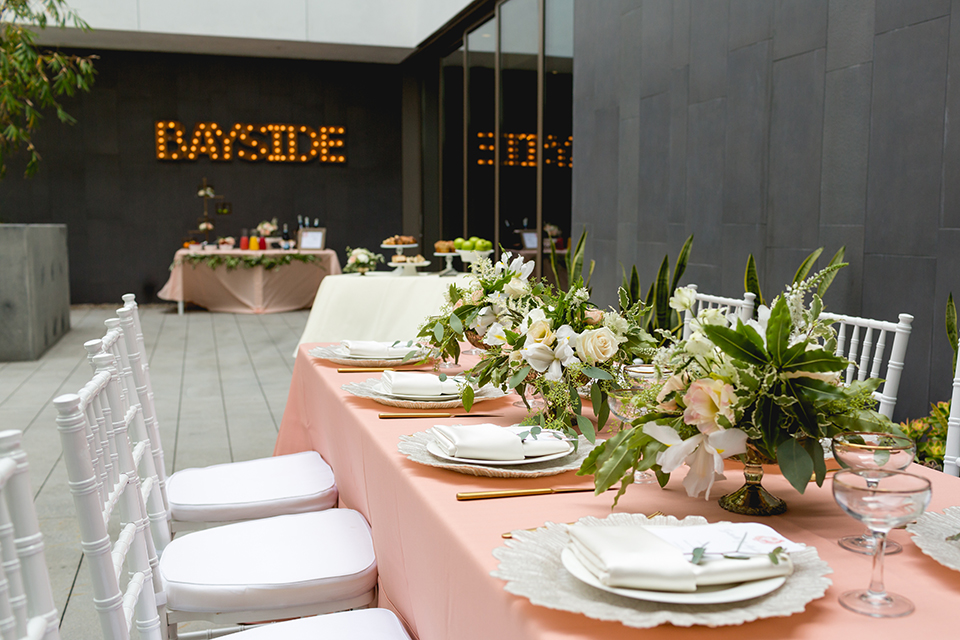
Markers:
(220, 381)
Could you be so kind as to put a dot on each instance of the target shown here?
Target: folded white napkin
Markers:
(479, 442)
(546, 443)
(658, 558)
(374, 349)
(409, 383)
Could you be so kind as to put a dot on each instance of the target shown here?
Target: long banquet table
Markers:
(434, 553)
(248, 290)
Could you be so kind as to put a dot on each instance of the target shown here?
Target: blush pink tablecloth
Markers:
(434, 553)
(249, 290)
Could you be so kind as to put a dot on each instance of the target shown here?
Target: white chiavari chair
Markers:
(742, 308)
(951, 457)
(224, 493)
(27, 611)
(283, 567)
(863, 341)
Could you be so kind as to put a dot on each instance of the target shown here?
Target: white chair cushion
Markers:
(286, 561)
(295, 483)
(363, 624)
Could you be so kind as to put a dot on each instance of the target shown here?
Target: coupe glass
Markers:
(861, 450)
(881, 499)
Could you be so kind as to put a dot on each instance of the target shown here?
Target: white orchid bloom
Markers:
(534, 315)
(763, 317)
(503, 262)
(495, 335)
(544, 359)
(704, 454)
(683, 298)
(484, 319)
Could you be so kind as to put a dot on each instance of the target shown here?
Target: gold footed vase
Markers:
(752, 499)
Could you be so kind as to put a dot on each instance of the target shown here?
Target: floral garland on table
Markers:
(360, 260)
(533, 334)
(268, 262)
(768, 389)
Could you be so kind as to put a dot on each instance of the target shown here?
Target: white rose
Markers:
(698, 345)
(712, 316)
(598, 345)
(683, 298)
(540, 332)
(363, 258)
(516, 287)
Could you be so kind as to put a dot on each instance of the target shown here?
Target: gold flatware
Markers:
(388, 416)
(515, 493)
(509, 534)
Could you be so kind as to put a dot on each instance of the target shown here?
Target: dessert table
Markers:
(248, 289)
(378, 305)
(435, 553)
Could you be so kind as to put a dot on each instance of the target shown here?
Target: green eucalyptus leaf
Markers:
(615, 466)
(518, 377)
(467, 397)
(604, 412)
(586, 428)
(438, 332)
(795, 463)
(455, 324)
(595, 394)
(595, 373)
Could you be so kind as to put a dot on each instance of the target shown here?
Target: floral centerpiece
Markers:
(205, 226)
(767, 391)
(266, 229)
(533, 334)
(361, 260)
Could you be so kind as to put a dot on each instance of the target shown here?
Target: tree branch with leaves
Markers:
(33, 79)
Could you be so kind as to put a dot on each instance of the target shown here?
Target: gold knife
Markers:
(513, 493)
(386, 416)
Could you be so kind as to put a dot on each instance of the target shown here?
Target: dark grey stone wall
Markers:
(128, 212)
(774, 127)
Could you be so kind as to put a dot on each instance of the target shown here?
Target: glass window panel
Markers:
(558, 117)
(451, 88)
(519, 36)
(481, 113)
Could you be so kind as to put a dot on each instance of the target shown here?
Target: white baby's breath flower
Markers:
(616, 323)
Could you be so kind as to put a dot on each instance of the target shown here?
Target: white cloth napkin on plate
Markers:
(654, 558)
(479, 442)
(374, 349)
(546, 443)
(409, 383)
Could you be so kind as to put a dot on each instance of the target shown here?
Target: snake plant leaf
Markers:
(634, 285)
(806, 265)
(735, 344)
(662, 294)
(828, 278)
(952, 327)
(751, 282)
(795, 463)
(778, 331)
(681, 265)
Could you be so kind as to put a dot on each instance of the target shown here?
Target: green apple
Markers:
(458, 243)
(468, 245)
(474, 239)
(484, 245)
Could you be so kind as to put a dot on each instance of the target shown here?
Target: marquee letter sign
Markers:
(250, 142)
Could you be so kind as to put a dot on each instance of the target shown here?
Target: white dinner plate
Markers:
(443, 397)
(713, 594)
(434, 449)
(340, 352)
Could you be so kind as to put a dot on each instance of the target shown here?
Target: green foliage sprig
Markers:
(268, 262)
(33, 79)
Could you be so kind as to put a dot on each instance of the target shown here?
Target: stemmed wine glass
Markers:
(881, 499)
(867, 450)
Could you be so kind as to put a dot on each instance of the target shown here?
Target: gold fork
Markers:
(509, 534)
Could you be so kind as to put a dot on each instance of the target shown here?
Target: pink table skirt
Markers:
(434, 553)
(249, 290)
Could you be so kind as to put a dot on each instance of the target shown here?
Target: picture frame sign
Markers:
(313, 238)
